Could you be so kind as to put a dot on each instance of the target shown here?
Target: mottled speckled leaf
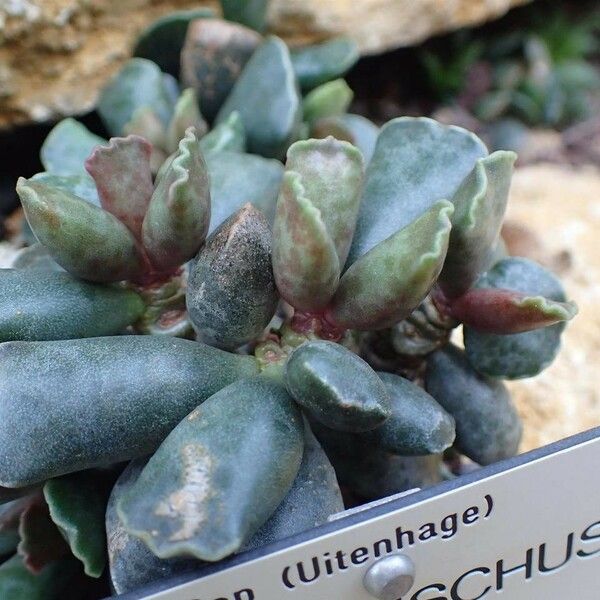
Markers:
(66, 147)
(82, 185)
(210, 487)
(336, 387)
(227, 136)
(18, 583)
(51, 305)
(417, 162)
(139, 83)
(331, 173)
(266, 96)
(162, 41)
(314, 497)
(328, 100)
(488, 428)
(186, 114)
(231, 294)
(305, 261)
(123, 178)
(105, 400)
(391, 280)
(213, 56)
(236, 179)
(176, 223)
(77, 503)
(480, 203)
(520, 354)
(320, 63)
(355, 129)
(82, 238)
(252, 13)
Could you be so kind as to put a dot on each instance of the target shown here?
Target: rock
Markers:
(56, 54)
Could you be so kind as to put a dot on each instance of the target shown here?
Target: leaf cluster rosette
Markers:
(322, 293)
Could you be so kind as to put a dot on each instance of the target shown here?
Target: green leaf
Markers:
(385, 285)
(417, 162)
(480, 204)
(162, 41)
(488, 428)
(105, 399)
(82, 186)
(231, 293)
(77, 503)
(517, 355)
(177, 219)
(226, 136)
(320, 63)
(214, 55)
(50, 305)
(82, 238)
(331, 173)
(266, 96)
(252, 13)
(336, 387)
(209, 486)
(305, 261)
(123, 178)
(35, 257)
(66, 147)
(328, 100)
(186, 114)
(140, 83)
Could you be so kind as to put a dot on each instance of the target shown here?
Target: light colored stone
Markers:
(559, 204)
(56, 54)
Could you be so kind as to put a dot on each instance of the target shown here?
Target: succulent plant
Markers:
(316, 309)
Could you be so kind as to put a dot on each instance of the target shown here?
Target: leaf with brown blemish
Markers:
(123, 177)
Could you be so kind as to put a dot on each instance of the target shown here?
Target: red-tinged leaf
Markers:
(500, 311)
(41, 541)
(123, 177)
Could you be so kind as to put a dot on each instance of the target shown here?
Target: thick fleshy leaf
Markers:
(41, 542)
(385, 285)
(252, 13)
(35, 257)
(209, 487)
(480, 204)
(305, 261)
(66, 147)
(493, 310)
(138, 84)
(318, 64)
(82, 238)
(236, 179)
(186, 114)
(520, 354)
(162, 41)
(416, 163)
(123, 178)
(355, 129)
(130, 561)
(18, 583)
(214, 54)
(231, 293)
(314, 497)
(48, 305)
(176, 223)
(336, 387)
(226, 136)
(266, 96)
(105, 400)
(77, 503)
(331, 173)
(488, 428)
(328, 100)
(81, 185)
(10, 518)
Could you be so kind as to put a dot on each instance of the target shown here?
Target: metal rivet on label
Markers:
(390, 577)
